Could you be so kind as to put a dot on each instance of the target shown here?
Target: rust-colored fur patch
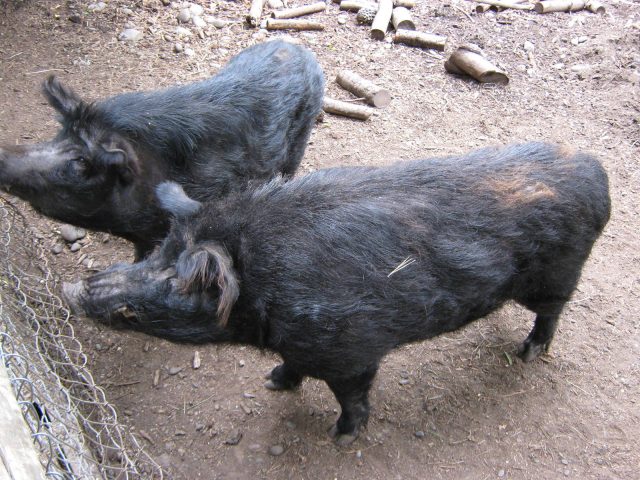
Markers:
(518, 190)
(566, 151)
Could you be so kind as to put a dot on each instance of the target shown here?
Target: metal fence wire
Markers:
(74, 428)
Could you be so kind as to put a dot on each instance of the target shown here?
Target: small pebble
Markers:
(178, 47)
(419, 434)
(175, 370)
(181, 451)
(404, 381)
(565, 461)
(180, 433)
(196, 10)
(342, 19)
(198, 22)
(255, 447)
(183, 32)
(75, 247)
(234, 437)
(70, 233)
(200, 427)
(147, 346)
(276, 450)
(359, 454)
(166, 3)
(75, 18)
(189, 52)
(97, 7)
(241, 363)
(98, 347)
(528, 46)
(216, 22)
(127, 11)
(501, 473)
(130, 35)
(57, 249)
(184, 15)
(248, 395)
(566, 472)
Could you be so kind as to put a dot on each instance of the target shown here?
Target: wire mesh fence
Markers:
(74, 428)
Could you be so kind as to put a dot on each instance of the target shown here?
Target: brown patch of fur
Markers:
(566, 151)
(518, 190)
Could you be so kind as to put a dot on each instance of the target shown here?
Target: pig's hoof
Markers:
(529, 351)
(342, 439)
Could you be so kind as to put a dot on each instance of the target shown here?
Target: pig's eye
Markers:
(78, 165)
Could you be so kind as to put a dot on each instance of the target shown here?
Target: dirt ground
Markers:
(460, 406)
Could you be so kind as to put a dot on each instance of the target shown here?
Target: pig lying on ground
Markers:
(334, 269)
(250, 121)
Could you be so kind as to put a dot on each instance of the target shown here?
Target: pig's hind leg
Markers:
(353, 395)
(283, 377)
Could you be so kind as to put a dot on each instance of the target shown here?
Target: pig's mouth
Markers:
(117, 314)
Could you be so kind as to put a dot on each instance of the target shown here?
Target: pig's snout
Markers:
(72, 293)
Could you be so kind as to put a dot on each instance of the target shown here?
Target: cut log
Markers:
(356, 5)
(483, 7)
(361, 87)
(401, 19)
(347, 109)
(275, 24)
(255, 12)
(559, 6)
(468, 62)
(506, 4)
(420, 39)
(596, 7)
(381, 22)
(404, 3)
(300, 11)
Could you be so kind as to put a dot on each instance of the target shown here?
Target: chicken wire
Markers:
(75, 430)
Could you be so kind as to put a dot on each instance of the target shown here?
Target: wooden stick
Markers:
(420, 39)
(275, 24)
(404, 3)
(255, 12)
(382, 19)
(559, 6)
(401, 19)
(300, 11)
(347, 109)
(596, 7)
(483, 7)
(361, 87)
(465, 61)
(355, 5)
(505, 4)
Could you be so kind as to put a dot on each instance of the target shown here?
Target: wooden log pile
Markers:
(363, 89)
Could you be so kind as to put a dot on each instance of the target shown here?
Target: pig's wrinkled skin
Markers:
(334, 269)
(248, 123)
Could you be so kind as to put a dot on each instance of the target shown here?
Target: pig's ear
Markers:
(123, 160)
(174, 200)
(60, 97)
(209, 265)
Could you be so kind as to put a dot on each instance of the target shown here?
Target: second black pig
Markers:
(250, 121)
(334, 269)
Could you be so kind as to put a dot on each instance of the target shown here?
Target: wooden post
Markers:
(300, 11)
(347, 109)
(468, 61)
(559, 6)
(596, 7)
(382, 19)
(18, 458)
(420, 39)
(275, 24)
(506, 4)
(355, 5)
(361, 87)
(401, 19)
(255, 12)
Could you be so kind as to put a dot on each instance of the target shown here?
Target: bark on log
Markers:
(420, 39)
(255, 12)
(347, 109)
(559, 6)
(596, 7)
(506, 4)
(355, 5)
(404, 3)
(300, 11)
(275, 24)
(383, 17)
(464, 61)
(401, 19)
(373, 94)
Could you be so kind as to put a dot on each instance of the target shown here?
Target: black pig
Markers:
(250, 121)
(334, 269)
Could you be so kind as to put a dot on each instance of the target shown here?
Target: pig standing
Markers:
(334, 269)
(249, 122)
